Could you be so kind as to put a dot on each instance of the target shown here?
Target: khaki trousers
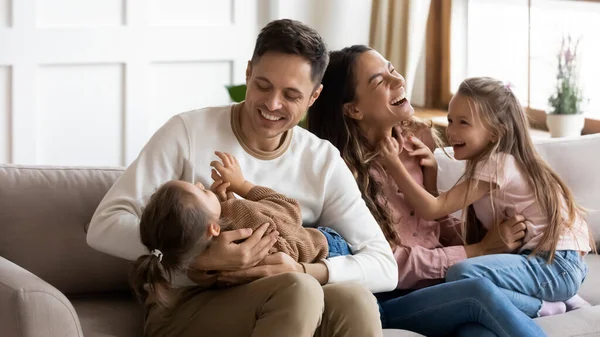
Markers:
(290, 304)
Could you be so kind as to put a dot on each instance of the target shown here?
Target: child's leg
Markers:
(337, 245)
(576, 302)
(526, 281)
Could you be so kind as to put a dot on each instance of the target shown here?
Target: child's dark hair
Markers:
(171, 224)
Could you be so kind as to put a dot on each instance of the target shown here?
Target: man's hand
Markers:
(225, 254)
(389, 151)
(504, 238)
(271, 265)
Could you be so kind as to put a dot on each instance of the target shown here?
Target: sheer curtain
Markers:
(398, 32)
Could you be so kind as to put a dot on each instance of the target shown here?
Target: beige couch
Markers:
(53, 284)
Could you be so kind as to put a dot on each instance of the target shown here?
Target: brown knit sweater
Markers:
(264, 205)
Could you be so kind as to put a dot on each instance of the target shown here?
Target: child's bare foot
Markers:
(576, 302)
(552, 308)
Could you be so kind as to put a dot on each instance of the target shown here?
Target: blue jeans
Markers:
(465, 308)
(527, 281)
(337, 245)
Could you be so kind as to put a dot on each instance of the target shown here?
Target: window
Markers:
(518, 41)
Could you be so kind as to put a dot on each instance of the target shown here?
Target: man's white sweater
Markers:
(305, 168)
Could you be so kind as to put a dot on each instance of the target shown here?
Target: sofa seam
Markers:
(595, 333)
(11, 298)
(22, 291)
(41, 168)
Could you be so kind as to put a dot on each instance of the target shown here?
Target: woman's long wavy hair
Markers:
(326, 119)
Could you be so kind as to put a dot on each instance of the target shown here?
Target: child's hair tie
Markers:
(508, 86)
(158, 254)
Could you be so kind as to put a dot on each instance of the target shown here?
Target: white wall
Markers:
(341, 23)
(86, 82)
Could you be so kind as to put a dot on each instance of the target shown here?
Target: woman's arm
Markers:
(418, 263)
(426, 205)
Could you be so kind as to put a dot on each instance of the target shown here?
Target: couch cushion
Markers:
(589, 290)
(578, 323)
(104, 317)
(43, 213)
(572, 158)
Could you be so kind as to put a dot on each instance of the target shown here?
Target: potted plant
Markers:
(237, 93)
(565, 116)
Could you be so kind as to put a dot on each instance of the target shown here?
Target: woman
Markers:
(363, 101)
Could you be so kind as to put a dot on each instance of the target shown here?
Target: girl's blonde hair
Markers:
(499, 111)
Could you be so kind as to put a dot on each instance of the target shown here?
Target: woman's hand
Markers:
(421, 150)
(225, 254)
(389, 151)
(272, 265)
(504, 238)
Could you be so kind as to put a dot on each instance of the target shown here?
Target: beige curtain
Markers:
(398, 32)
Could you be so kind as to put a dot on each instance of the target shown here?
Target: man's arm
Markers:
(114, 228)
(344, 210)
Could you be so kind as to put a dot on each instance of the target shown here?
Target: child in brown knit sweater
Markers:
(181, 218)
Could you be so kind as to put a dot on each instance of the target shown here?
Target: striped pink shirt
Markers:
(428, 248)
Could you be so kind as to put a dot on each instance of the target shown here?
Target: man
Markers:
(283, 80)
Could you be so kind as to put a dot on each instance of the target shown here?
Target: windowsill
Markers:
(537, 119)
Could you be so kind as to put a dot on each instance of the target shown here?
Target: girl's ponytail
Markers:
(150, 277)
(171, 224)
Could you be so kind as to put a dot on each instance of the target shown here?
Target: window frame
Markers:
(459, 37)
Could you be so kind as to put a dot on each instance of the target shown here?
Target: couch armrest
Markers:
(31, 307)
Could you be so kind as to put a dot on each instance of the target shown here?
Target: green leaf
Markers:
(237, 93)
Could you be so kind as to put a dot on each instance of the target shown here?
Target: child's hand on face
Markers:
(219, 188)
(423, 151)
(229, 171)
(389, 151)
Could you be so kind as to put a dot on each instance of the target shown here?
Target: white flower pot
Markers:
(565, 125)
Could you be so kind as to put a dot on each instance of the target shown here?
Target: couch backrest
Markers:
(44, 212)
(576, 160)
(43, 215)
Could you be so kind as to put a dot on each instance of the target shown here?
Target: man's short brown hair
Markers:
(293, 37)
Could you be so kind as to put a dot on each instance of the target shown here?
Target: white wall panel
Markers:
(190, 12)
(79, 114)
(5, 13)
(180, 87)
(81, 13)
(86, 82)
(5, 114)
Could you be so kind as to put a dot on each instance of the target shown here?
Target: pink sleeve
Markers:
(450, 231)
(417, 263)
(495, 170)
